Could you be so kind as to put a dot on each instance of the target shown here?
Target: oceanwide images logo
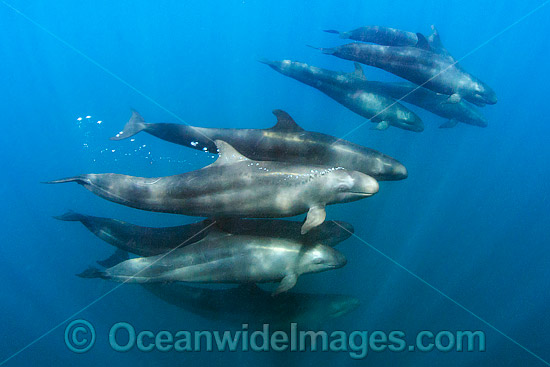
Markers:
(80, 337)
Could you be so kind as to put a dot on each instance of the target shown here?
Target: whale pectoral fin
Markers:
(448, 124)
(287, 283)
(454, 98)
(382, 125)
(315, 216)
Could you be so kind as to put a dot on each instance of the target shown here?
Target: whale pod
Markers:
(350, 90)
(422, 66)
(435, 103)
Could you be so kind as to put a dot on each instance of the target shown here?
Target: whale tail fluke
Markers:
(92, 272)
(70, 216)
(132, 127)
(82, 179)
(327, 51)
(263, 60)
(313, 47)
(343, 35)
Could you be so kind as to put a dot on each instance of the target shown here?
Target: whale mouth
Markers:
(357, 193)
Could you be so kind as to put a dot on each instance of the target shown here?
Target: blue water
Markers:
(472, 219)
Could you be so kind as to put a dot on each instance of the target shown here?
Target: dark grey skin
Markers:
(142, 241)
(235, 186)
(435, 103)
(380, 35)
(393, 37)
(286, 141)
(151, 241)
(225, 258)
(358, 97)
(252, 305)
(408, 92)
(421, 66)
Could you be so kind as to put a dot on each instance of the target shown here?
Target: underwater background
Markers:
(471, 219)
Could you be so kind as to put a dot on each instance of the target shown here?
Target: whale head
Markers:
(342, 186)
(386, 169)
(408, 120)
(483, 94)
(332, 306)
(337, 306)
(475, 117)
(317, 258)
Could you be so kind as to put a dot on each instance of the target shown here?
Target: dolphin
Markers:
(248, 303)
(380, 35)
(221, 257)
(410, 93)
(236, 186)
(350, 91)
(422, 66)
(286, 141)
(387, 36)
(150, 241)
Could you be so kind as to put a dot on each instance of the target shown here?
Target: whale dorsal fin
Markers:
(436, 45)
(422, 42)
(358, 72)
(285, 122)
(435, 40)
(227, 154)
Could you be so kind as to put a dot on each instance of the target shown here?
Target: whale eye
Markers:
(318, 260)
(343, 187)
